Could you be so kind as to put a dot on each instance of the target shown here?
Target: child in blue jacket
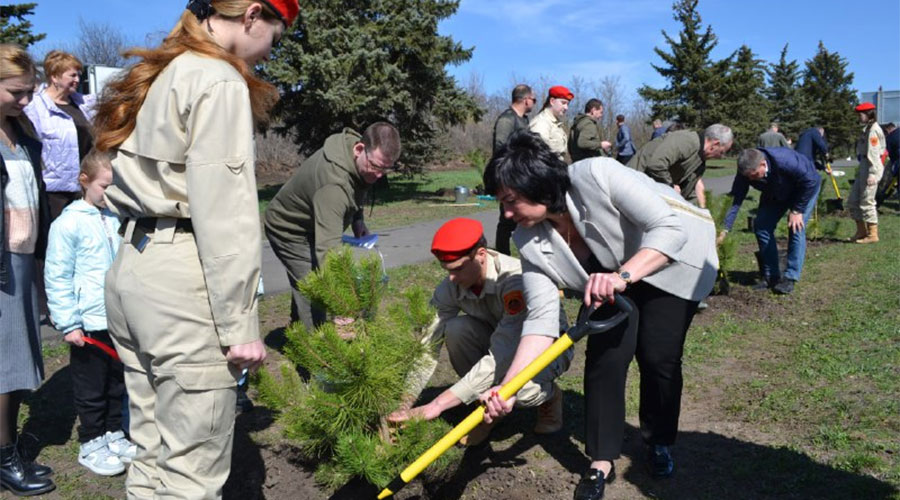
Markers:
(82, 245)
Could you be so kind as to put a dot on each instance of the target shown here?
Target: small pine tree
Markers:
(718, 207)
(357, 376)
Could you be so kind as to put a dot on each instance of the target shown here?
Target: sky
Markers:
(557, 40)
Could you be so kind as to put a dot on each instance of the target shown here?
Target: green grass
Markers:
(408, 200)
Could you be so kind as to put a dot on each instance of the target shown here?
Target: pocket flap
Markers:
(206, 376)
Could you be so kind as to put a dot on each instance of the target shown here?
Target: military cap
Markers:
(866, 106)
(456, 238)
(561, 92)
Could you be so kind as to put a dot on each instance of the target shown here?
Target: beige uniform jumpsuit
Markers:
(869, 148)
(174, 304)
(552, 131)
(482, 341)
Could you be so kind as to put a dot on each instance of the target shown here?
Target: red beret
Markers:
(456, 238)
(287, 10)
(561, 92)
(866, 106)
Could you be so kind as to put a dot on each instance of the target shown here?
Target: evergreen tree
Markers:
(788, 104)
(741, 103)
(19, 32)
(358, 374)
(827, 88)
(348, 64)
(694, 79)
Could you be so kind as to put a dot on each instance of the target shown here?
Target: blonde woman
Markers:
(181, 293)
(24, 229)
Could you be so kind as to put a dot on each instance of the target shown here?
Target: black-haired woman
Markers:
(598, 227)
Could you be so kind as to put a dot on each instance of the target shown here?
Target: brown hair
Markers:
(384, 137)
(92, 163)
(119, 105)
(57, 62)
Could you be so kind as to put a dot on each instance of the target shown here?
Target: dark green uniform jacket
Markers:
(585, 138)
(320, 199)
(675, 158)
(507, 123)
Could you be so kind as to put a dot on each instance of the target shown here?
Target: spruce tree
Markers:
(827, 88)
(787, 102)
(348, 64)
(694, 79)
(18, 33)
(741, 103)
(358, 374)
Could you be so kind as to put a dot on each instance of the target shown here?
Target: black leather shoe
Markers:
(593, 484)
(19, 478)
(39, 470)
(764, 284)
(659, 461)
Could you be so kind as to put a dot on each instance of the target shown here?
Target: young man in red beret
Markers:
(486, 287)
(550, 124)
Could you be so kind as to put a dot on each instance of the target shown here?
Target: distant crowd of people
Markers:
(135, 219)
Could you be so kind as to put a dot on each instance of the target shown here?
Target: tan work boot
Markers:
(550, 414)
(479, 434)
(872, 234)
(860, 231)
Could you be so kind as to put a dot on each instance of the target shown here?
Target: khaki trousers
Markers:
(481, 358)
(182, 391)
(861, 202)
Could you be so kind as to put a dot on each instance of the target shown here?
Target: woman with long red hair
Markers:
(181, 294)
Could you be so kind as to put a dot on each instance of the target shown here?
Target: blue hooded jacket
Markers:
(82, 245)
(792, 179)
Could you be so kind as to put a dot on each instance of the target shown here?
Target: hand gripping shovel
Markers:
(584, 326)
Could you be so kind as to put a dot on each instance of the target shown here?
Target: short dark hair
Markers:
(526, 165)
(871, 115)
(520, 92)
(384, 137)
(592, 105)
(675, 126)
(620, 118)
(749, 160)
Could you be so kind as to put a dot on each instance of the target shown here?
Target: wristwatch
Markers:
(625, 276)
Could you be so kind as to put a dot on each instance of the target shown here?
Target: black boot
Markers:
(39, 470)
(17, 477)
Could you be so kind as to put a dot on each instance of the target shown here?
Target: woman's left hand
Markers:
(601, 287)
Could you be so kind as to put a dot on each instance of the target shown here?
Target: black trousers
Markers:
(656, 339)
(98, 383)
(505, 228)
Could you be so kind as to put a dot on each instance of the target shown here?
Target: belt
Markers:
(145, 226)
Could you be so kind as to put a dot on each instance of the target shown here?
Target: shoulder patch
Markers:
(873, 140)
(514, 302)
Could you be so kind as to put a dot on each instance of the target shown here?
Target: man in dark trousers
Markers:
(789, 182)
(586, 137)
(812, 145)
(515, 117)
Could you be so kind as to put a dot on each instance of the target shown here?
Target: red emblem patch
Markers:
(514, 302)
(873, 140)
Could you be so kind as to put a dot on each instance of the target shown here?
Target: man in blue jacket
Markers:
(624, 145)
(789, 182)
(812, 144)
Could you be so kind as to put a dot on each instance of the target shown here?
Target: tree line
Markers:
(347, 64)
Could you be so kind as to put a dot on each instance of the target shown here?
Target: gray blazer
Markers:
(617, 211)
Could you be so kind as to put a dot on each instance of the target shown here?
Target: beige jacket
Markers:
(869, 148)
(551, 130)
(617, 211)
(191, 155)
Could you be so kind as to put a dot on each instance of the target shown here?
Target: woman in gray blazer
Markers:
(596, 228)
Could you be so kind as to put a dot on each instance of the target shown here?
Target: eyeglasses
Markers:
(374, 165)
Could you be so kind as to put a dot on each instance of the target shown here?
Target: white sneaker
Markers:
(120, 446)
(97, 458)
